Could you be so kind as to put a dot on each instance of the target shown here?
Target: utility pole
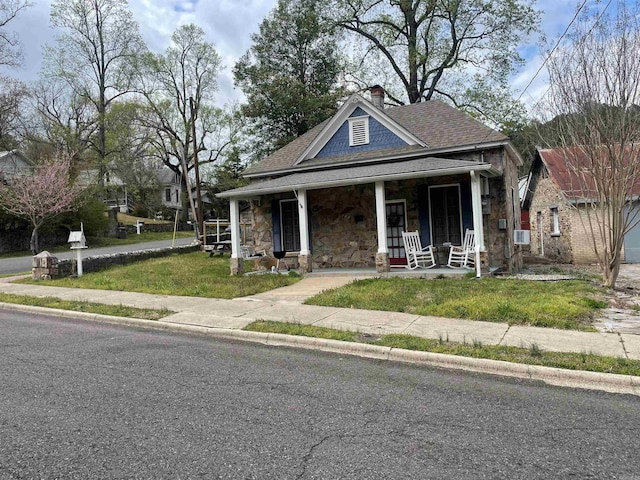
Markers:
(196, 166)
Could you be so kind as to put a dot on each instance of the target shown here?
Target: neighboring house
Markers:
(171, 188)
(559, 225)
(163, 180)
(341, 194)
(13, 162)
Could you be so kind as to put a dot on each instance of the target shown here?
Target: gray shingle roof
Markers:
(427, 166)
(434, 122)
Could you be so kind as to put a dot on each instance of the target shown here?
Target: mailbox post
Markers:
(139, 225)
(78, 243)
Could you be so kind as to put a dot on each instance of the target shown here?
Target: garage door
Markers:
(632, 240)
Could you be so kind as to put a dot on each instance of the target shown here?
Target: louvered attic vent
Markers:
(358, 131)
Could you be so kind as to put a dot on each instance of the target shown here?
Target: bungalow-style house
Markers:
(342, 194)
(12, 162)
(555, 199)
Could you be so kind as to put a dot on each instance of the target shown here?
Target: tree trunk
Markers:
(33, 243)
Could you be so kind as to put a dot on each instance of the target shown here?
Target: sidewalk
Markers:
(285, 304)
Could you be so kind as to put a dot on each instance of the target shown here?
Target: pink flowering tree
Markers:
(41, 194)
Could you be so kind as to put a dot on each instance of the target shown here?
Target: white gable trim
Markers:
(343, 113)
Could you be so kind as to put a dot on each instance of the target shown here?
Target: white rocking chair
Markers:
(417, 257)
(248, 253)
(463, 256)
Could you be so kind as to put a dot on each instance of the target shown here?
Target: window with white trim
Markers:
(358, 131)
(555, 221)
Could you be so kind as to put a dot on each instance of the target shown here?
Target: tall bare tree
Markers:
(93, 55)
(187, 70)
(595, 98)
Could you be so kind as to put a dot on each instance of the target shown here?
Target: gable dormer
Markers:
(358, 127)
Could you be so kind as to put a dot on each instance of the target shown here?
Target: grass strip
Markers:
(189, 274)
(529, 356)
(566, 305)
(89, 307)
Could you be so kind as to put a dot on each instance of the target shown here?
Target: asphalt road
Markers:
(23, 264)
(88, 401)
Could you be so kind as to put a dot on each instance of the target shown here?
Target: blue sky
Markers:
(229, 25)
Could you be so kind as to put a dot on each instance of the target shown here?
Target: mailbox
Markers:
(77, 240)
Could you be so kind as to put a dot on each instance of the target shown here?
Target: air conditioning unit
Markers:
(521, 237)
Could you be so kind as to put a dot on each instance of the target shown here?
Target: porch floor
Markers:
(395, 272)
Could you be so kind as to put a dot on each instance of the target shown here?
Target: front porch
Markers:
(354, 223)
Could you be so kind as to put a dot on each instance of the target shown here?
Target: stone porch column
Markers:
(476, 204)
(236, 262)
(304, 257)
(382, 256)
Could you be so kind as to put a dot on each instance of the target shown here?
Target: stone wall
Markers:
(343, 221)
(343, 227)
(556, 247)
(510, 207)
(101, 262)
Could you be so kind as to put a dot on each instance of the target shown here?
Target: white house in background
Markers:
(171, 189)
(12, 162)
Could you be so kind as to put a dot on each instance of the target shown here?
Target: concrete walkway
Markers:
(285, 304)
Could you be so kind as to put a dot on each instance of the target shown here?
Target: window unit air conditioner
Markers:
(521, 237)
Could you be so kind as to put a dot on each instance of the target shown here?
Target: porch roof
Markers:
(337, 177)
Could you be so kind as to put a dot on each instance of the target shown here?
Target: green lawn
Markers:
(191, 274)
(565, 304)
(89, 307)
(528, 356)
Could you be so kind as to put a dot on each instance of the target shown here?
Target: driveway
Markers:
(23, 264)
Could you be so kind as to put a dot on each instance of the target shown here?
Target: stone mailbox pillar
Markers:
(44, 266)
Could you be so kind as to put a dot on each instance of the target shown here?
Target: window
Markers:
(167, 195)
(358, 131)
(446, 218)
(555, 220)
(289, 225)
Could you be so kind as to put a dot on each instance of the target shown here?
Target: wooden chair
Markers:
(417, 256)
(463, 256)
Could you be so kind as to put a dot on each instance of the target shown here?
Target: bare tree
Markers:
(40, 195)
(64, 120)
(10, 53)
(187, 70)
(595, 98)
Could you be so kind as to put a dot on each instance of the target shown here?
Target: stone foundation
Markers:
(305, 264)
(382, 263)
(237, 266)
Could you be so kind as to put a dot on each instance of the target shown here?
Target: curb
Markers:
(607, 382)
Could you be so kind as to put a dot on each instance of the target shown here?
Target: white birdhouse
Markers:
(77, 240)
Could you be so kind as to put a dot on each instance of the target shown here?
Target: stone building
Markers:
(560, 226)
(340, 195)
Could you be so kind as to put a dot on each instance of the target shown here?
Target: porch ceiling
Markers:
(403, 170)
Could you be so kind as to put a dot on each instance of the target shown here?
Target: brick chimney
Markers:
(377, 96)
